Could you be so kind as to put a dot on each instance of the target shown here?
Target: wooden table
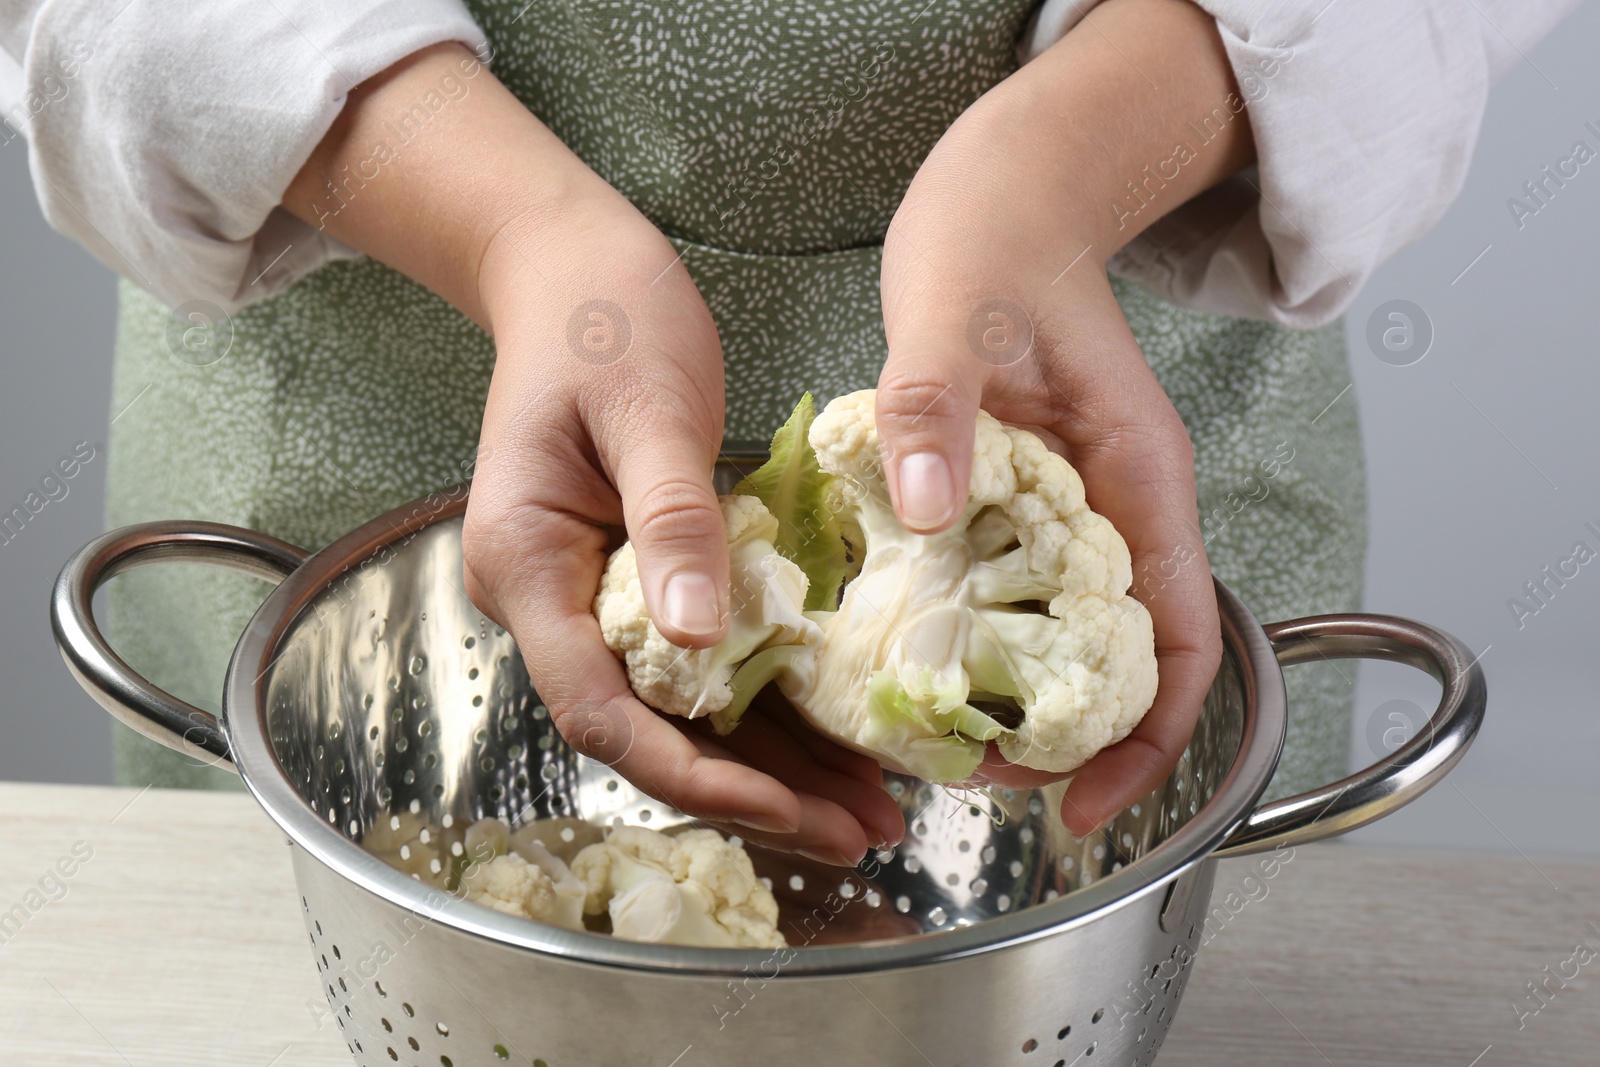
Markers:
(176, 940)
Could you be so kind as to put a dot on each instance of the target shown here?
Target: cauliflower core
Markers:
(1013, 626)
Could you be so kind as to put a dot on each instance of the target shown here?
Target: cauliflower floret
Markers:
(408, 843)
(486, 839)
(563, 836)
(546, 890)
(767, 593)
(740, 902)
(594, 863)
(696, 888)
(948, 626)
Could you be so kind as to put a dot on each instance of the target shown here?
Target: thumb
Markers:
(662, 468)
(927, 408)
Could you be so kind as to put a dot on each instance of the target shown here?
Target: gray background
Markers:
(1482, 460)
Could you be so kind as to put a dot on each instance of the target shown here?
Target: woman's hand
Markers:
(995, 294)
(605, 409)
(609, 375)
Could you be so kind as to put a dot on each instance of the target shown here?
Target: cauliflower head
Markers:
(694, 888)
(1014, 626)
(766, 626)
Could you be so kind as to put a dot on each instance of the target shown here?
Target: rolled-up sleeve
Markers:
(1365, 114)
(163, 136)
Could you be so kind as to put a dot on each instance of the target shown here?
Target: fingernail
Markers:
(770, 824)
(927, 489)
(829, 856)
(690, 604)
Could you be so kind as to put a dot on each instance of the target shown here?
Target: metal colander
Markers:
(367, 687)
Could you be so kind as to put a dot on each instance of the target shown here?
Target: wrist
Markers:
(1014, 157)
(548, 250)
(1134, 112)
(431, 198)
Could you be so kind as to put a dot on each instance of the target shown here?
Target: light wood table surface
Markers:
(178, 942)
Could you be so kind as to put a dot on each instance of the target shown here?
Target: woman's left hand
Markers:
(995, 295)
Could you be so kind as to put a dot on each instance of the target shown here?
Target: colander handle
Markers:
(1402, 776)
(117, 687)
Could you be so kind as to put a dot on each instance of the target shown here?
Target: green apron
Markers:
(771, 143)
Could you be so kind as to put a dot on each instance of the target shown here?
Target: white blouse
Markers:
(162, 136)
(1365, 113)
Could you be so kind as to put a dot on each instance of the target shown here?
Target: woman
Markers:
(745, 202)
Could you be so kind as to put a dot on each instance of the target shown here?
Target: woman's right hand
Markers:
(605, 409)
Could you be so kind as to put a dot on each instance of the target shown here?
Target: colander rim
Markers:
(244, 720)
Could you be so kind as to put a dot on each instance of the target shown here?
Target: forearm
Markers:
(430, 161)
(1133, 112)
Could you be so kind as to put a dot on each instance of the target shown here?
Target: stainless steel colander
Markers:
(368, 686)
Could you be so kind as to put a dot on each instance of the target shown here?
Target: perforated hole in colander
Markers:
(410, 1032)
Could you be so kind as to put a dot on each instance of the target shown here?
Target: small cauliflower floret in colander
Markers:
(408, 843)
(538, 887)
(695, 888)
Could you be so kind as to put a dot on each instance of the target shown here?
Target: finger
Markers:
(818, 837)
(927, 409)
(532, 570)
(767, 746)
(827, 831)
(995, 770)
(1173, 580)
(660, 455)
(1145, 486)
(771, 705)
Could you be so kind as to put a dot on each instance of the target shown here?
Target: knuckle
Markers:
(909, 401)
(572, 721)
(478, 591)
(677, 511)
(503, 547)
(480, 550)
(1194, 634)
(569, 717)
(686, 789)
(1175, 440)
(485, 544)
(600, 729)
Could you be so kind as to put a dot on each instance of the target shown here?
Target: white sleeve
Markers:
(162, 136)
(1365, 113)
